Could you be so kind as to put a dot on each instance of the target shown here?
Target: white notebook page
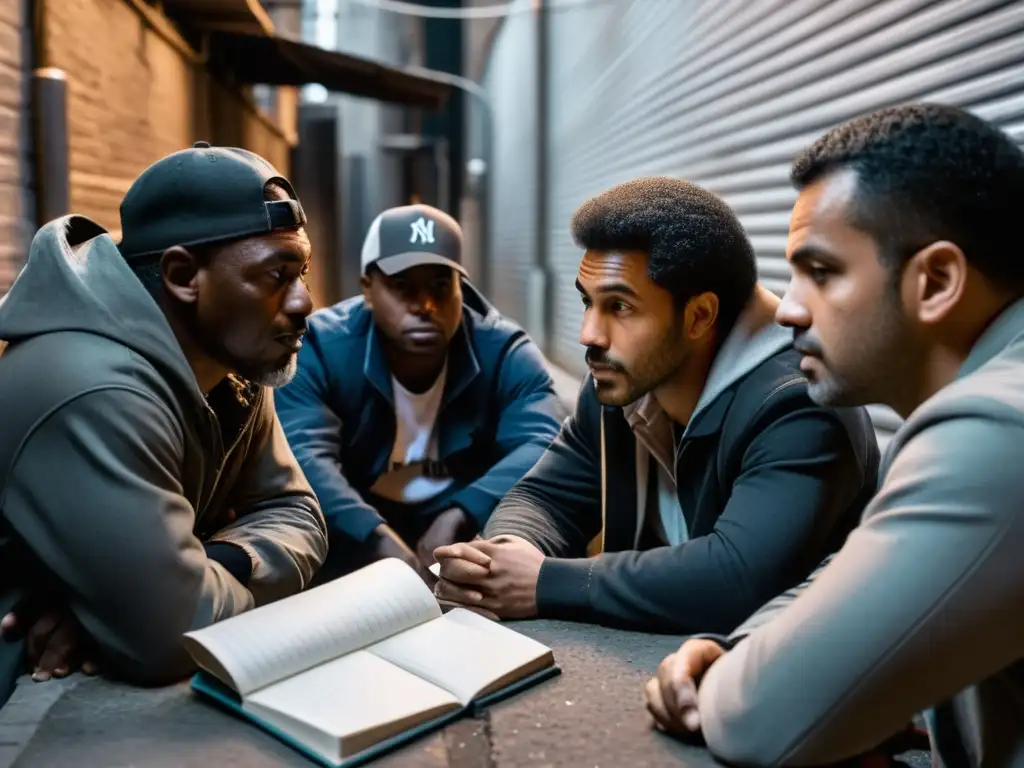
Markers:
(461, 651)
(283, 638)
(350, 695)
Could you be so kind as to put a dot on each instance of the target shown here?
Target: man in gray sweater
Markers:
(907, 290)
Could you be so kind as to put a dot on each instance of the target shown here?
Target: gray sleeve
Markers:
(96, 495)
(921, 602)
(279, 523)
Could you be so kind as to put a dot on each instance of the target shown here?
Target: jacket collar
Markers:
(1007, 327)
(755, 337)
(463, 366)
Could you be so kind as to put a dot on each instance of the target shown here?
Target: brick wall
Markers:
(134, 97)
(12, 197)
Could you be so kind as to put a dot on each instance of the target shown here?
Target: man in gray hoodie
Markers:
(907, 289)
(146, 486)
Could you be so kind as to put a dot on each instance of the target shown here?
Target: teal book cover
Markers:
(213, 690)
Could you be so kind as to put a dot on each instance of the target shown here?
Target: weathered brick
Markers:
(132, 98)
(11, 112)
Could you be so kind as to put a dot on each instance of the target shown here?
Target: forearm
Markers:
(286, 542)
(681, 590)
(920, 604)
(529, 515)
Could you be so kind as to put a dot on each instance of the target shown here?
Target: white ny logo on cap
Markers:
(422, 229)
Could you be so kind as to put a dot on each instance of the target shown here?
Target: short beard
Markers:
(277, 377)
(651, 370)
(273, 375)
(883, 369)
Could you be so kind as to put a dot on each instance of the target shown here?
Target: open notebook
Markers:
(361, 664)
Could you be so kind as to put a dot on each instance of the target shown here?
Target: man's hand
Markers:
(56, 644)
(497, 575)
(451, 526)
(387, 543)
(672, 694)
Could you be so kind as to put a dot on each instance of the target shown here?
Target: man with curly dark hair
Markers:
(907, 290)
(695, 455)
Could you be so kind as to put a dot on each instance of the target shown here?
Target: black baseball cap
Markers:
(410, 236)
(203, 195)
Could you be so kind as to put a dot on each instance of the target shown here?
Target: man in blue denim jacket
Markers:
(416, 405)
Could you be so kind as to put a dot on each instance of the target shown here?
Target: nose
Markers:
(298, 302)
(422, 302)
(593, 332)
(792, 312)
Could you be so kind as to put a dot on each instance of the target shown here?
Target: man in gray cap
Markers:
(146, 486)
(416, 405)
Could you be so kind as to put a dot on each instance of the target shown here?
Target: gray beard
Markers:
(277, 378)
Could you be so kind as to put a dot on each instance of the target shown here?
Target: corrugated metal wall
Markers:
(725, 92)
(511, 81)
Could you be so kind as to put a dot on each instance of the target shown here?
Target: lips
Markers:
(423, 331)
(291, 341)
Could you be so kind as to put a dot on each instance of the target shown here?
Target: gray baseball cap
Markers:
(410, 236)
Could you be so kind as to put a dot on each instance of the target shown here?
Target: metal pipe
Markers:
(50, 135)
(542, 256)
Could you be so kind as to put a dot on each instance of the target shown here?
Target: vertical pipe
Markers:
(50, 135)
(542, 256)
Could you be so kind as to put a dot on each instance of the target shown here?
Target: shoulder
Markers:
(775, 395)
(44, 372)
(988, 402)
(497, 339)
(347, 322)
(964, 463)
(774, 387)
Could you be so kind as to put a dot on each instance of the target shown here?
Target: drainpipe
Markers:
(542, 256)
(49, 111)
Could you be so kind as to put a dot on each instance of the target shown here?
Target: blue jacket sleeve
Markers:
(314, 432)
(527, 425)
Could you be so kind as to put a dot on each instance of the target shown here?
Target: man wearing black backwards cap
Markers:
(417, 405)
(146, 486)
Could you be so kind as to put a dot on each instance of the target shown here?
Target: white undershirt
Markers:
(413, 468)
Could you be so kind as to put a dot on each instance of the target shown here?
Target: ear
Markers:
(700, 315)
(934, 281)
(364, 283)
(180, 271)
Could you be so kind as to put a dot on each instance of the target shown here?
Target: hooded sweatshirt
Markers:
(117, 475)
(697, 524)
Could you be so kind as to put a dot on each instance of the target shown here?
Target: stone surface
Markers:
(591, 715)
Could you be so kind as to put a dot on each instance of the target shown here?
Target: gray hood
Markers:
(76, 280)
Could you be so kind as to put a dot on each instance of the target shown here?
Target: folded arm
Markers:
(279, 524)
(527, 425)
(798, 479)
(921, 602)
(117, 532)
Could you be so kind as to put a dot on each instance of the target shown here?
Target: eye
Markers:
(819, 275)
(585, 300)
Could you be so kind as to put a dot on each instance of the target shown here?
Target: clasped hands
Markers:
(496, 577)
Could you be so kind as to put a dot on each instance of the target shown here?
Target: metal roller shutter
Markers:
(511, 82)
(725, 92)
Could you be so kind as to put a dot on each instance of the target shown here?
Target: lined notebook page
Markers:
(278, 640)
(463, 652)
